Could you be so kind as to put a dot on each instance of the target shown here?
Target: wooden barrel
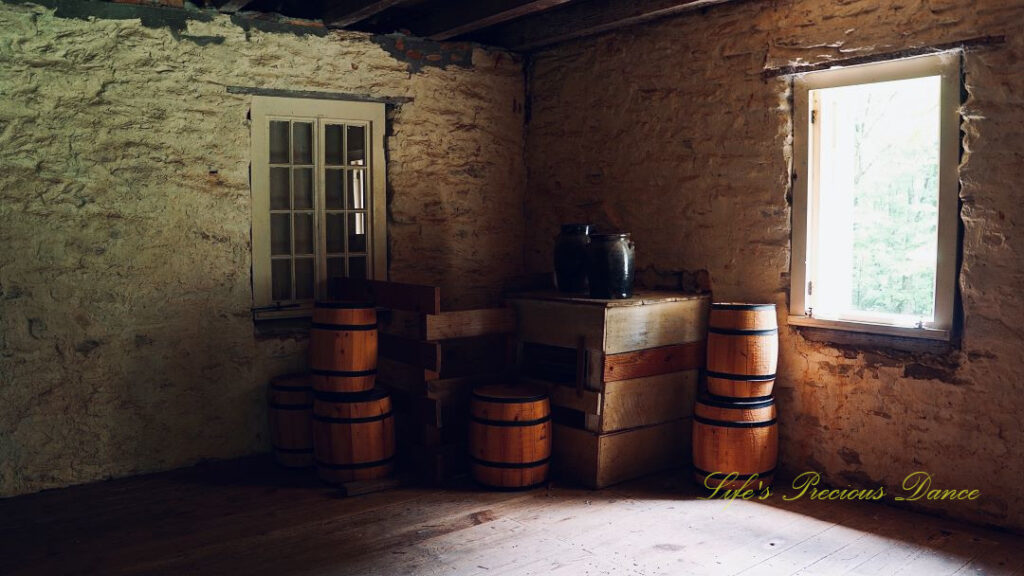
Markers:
(353, 435)
(290, 409)
(509, 436)
(735, 436)
(343, 346)
(743, 350)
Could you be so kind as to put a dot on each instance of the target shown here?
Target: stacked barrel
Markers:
(347, 421)
(353, 428)
(735, 434)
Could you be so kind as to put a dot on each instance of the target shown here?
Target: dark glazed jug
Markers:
(571, 258)
(611, 266)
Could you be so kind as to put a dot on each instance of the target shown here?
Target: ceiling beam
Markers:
(585, 19)
(463, 16)
(342, 13)
(232, 6)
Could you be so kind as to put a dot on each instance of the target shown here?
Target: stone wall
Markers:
(669, 131)
(126, 339)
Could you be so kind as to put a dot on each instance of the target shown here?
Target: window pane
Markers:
(357, 190)
(304, 233)
(878, 200)
(278, 142)
(281, 282)
(357, 267)
(335, 233)
(332, 144)
(356, 146)
(279, 196)
(303, 188)
(335, 191)
(335, 269)
(356, 232)
(280, 234)
(304, 278)
(302, 143)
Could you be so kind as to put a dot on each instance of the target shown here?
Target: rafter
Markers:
(464, 16)
(232, 6)
(342, 13)
(587, 18)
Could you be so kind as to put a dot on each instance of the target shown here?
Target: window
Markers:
(318, 199)
(875, 197)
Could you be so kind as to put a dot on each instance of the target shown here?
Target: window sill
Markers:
(285, 312)
(865, 328)
(292, 328)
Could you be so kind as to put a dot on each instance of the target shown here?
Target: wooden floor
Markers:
(246, 517)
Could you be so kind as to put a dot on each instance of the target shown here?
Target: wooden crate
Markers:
(614, 368)
(650, 319)
(431, 360)
(600, 460)
(625, 404)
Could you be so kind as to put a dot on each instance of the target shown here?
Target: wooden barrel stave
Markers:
(735, 437)
(353, 435)
(742, 350)
(509, 437)
(290, 410)
(343, 347)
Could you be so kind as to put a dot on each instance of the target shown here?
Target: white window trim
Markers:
(264, 109)
(946, 65)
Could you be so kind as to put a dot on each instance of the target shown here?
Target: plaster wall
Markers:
(126, 339)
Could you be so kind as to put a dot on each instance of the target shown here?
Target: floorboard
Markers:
(248, 517)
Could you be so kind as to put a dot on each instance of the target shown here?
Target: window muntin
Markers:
(318, 199)
(875, 197)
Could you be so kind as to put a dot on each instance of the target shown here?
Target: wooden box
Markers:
(625, 404)
(430, 360)
(620, 373)
(599, 460)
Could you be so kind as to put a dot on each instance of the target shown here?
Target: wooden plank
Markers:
(640, 297)
(232, 6)
(635, 453)
(468, 356)
(413, 406)
(656, 319)
(656, 324)
(406, 376)
(342, 13)
(573, 455)
(560, 324)
(398, 295)
(553, 364)
(469, 323)
(649, 400)
(463, 385)
(587, 401)
(360, 487)
(248, 517)
(464, 16)
(653, 361)
(448, 358)
(447, 325)
(426, 355)
(599, 460)
(401, 323)
(586, 19)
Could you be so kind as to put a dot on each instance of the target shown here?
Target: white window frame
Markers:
(263, 110)
(805, 189)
